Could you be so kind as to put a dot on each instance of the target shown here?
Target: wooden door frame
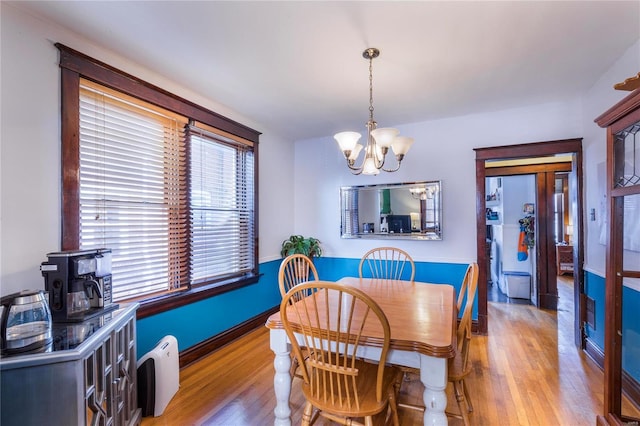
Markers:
(528, 150)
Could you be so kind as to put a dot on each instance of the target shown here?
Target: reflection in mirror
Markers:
(392, 211)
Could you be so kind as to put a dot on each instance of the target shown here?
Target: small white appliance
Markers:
(158, 377)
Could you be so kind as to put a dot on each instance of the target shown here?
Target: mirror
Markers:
(392, 211)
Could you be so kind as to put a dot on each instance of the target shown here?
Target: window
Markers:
(168, 186)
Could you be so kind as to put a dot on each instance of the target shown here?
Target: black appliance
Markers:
(78, 283)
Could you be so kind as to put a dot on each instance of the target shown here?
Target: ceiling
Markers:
(297, 67)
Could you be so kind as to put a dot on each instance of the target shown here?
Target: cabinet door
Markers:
(124, 384)
(98, 376)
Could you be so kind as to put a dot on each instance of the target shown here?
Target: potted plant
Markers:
(298, 244)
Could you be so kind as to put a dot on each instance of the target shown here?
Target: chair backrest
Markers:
(330, 324)
(469, 287)
(295, 269)
(386, 263)
(468, 276)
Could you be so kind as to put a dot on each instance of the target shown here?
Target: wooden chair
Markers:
(459, 366)
(295, 269)
(386, 263)
(468, 277)
(337, 384)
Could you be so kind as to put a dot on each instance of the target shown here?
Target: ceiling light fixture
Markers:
(378, 140)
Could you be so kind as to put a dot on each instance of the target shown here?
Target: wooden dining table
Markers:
(422, 317)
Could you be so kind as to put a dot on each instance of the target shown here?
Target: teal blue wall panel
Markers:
(199, 321)
(631, 332)
(594, 288)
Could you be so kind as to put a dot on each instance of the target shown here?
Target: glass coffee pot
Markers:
(25, 322)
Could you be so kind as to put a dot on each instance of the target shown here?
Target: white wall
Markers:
(600, 98)
(516, 191)
(30, 148)
(443, 150)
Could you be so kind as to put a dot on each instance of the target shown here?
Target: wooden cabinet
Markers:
(564, 259)
(622, 122)
(88, 377)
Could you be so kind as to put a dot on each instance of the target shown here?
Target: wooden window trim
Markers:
(75, 65)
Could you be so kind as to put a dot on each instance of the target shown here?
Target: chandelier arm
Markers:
(393, 170)
(352, 168)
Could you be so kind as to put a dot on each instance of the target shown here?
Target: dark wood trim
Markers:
(528, 169)
(613, 294)
(619, 110)
(545, 246)
(525, 150)
(107, 75)
(576, 183)
(168, 301)
(70, 152)
(205, 347)
(528, 150)
(481, 239)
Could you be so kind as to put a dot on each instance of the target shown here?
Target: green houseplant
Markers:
(298, 244)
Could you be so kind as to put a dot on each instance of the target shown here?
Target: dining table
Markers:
(422, 317)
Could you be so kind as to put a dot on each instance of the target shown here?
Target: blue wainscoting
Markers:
(199, 321)
(631, 332)
(595, 289)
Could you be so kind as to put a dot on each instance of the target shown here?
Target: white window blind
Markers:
(222, 205)
(133, 190)
(174, 202)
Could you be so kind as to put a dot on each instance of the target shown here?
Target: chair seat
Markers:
(342, 405)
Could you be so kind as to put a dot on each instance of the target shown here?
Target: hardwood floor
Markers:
(526, 371)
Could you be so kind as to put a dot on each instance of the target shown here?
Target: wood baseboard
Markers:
(594, 352)
(205, 347)
(630, 386)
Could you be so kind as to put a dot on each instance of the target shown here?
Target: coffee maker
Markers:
(78, 283)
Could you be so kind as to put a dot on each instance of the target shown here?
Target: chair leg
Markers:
(394, 410)
(458, 387)
(306, 415)
(466, 395)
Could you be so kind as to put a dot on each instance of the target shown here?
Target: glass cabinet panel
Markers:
(626, 153)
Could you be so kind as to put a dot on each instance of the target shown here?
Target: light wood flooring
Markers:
(526, 371)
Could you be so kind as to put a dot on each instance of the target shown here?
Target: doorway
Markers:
(512, 219)
(545, 278)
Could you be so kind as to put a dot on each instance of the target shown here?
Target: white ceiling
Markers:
(297, 67)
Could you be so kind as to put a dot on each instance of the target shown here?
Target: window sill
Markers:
(169, 301)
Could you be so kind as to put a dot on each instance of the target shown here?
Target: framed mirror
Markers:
(392, 211)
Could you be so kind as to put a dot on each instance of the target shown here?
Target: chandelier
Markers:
(378, 140)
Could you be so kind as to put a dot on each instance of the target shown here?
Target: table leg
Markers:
(282, 378)
(433, 374)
